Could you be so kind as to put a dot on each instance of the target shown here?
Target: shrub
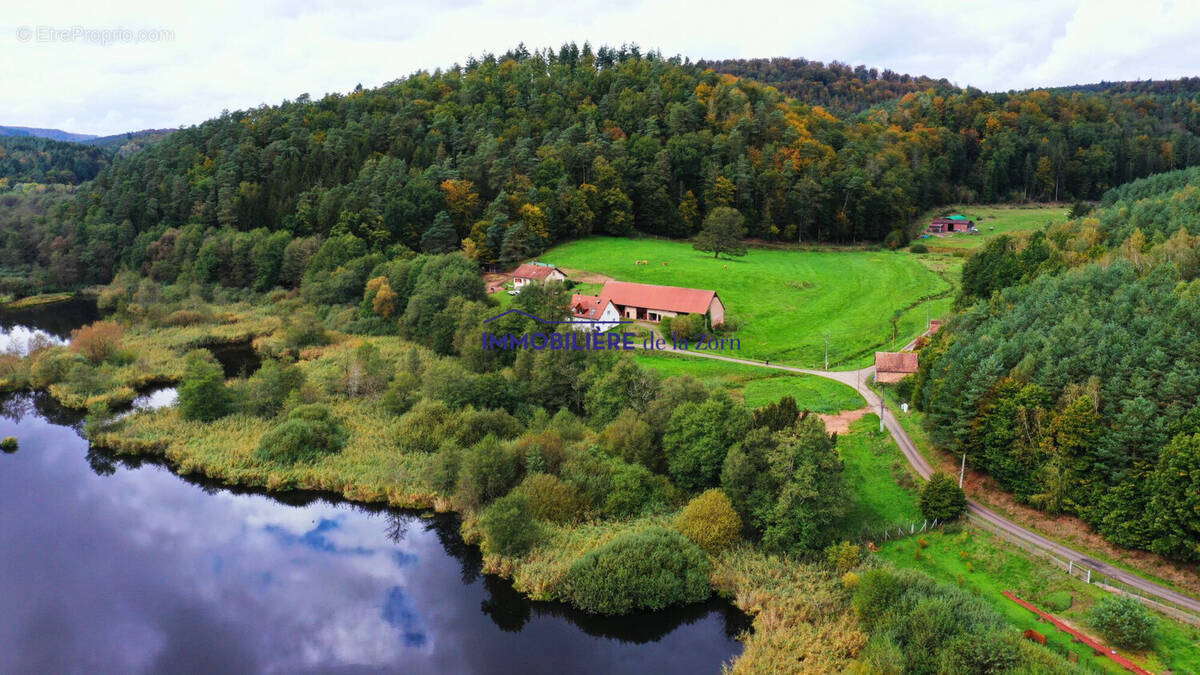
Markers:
(1124, 622)
(269, 387)
(918, 248)
(423, 428)
(508, 527)
(631, 439)
(551, 499)
(1059, 601)
(52, 366)
(488, 471)
(850, 581)
(202, 393)
(401, 393)
(843, 557)
(9, 444)
(305, 330)
(98, 341)
(646, 570)
(185, 317)
(635, 490)
(942, 498)
(446, 465)
(710, 521)
(473, 425)
(309, 432)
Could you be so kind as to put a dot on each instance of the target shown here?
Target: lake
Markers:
(111, 565)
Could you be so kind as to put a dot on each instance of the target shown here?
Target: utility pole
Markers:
(827, 351)
(962, 469)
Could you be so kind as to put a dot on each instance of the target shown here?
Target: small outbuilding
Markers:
(894, 366)
(954, 223)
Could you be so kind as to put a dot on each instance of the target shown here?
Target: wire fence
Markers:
(897, 531)
(1088, 575)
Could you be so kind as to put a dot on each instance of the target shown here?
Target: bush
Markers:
(918, 248)
(202, 393)
(185, 317)
(647, 570)
(423, 428)
(97, 341)
(551, 499)
(844, 557)
(488, 471)
(1059, 601)
(1124, 622)
(942, 498)
(710, 521)
(508, 527)
(631, 439)
(305, 330)
(401, 394)
(267, 389)
(9, 444)
(634, 490)
(309, 432)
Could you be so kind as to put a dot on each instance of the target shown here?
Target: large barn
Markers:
(646, 302)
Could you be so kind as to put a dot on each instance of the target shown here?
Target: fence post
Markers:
(1089, 579)
(1071, 567)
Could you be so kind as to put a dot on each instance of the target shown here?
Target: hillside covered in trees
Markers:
(509, 154)
(29, 159)
(838, 87)
(1071, 378)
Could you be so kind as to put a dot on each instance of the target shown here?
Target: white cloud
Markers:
(227, 55)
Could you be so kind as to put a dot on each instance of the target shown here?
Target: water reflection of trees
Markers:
(504, 605)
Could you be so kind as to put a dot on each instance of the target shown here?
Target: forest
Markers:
(28, 159)
(508, 154)
(1070, 377)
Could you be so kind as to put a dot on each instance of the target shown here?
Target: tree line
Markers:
(508, 154)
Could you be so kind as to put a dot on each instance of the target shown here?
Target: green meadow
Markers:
(785, 302)
(991, 221)
(757, 386)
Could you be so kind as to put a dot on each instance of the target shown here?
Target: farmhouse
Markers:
(593, 313)
(646, 302)
(954, 223)
(894, 366)
(531, 272)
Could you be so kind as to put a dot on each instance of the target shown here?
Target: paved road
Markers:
(858, 379)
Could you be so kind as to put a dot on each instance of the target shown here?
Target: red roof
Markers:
(669, 298)
(587, 306)
(895, 362)
(531, 271)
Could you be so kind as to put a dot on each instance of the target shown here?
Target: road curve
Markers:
(857, 378)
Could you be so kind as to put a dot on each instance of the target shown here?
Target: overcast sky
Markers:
(181, 63)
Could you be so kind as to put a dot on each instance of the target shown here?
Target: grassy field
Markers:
(991, 221)
(880, 480)
(758, 386)
(785, 302)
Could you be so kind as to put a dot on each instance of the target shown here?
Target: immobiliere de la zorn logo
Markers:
(594, 335)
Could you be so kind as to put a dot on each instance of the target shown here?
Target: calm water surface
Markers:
(112, 566)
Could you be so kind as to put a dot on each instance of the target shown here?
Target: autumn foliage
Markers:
(97, 341)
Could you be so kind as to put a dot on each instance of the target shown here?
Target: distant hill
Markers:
(33, 159)
(129, 142)
(52, 134)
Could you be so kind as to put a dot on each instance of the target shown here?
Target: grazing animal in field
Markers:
(641, 262)
(724, 267)
(665, 264)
